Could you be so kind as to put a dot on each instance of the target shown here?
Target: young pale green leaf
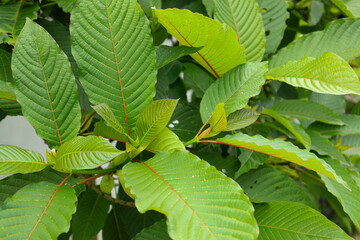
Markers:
(341, 37)
(294, 128)
(352, 126)
(102, 129)
(157, 231)
(90, 215)
(16, 160)
(37, 211)
(66, 5)
(154, 119)
(105, 112)
(13, 15)
(197, 78)
(241, 118)
(244, 16)
(350, 200)
(328, 73)
(307, 110)
(45, 85)
(350, 7)
(281, 149)
(84, 153)
(234, 89)
(274, 14)
(196, 193)
(115, 55)
(267, 184)
(218, 121)
(292, 221)
(221, 50)
(165, 141)
(166, 54)
(13, 183)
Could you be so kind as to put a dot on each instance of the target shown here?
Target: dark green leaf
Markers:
(166, 54)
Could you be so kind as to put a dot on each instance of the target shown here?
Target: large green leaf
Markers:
(267, 184)
(334, 102)
(326, 74)
(165, 141)
(37, 211)
(245, 18)
(197, 78)
(84, 153)
(90, 215)
(234, 89)
(350, 7)
(115, 55)
(45, 85)
(153, 119)
(341, 37)
(221, 50)
(167, 54)
(16, 160)
(293, 221)
(352, 126)
(157, 231)
(350, 200)
(10, 185)
(6, 79)
(12, 16)
(283, 150)
(307, 110)
(114, 227)
(66, 5)
(188, 190)
(274, 14)
(352, 141)
(293, 127)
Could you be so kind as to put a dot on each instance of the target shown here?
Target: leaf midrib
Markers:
(233, 16)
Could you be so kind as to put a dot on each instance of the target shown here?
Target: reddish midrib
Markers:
(216, 74)
(173, 190)
(47, 206)
(47, 88)
(117, 67)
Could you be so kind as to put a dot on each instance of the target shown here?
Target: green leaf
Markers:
(350, 7)
(45, 85)
(250, 160)
(218, 121)
(8, 96)
(166, 54)
(352, 126)
(157, 231)
(227, 165)
(16, 160)
(114, 227)
(66, 5)
(307, 110)
(101, 129)
(10, 185)
(334, 102)
(274, 14)
(165, 141)
(115, 68)
(12, 16)
(240, 119)
(90, 216)
(210, 7)
(42, 210)
(341, 37)
(267, 184)
(194, 192)
(234, 89)
(326, 74)
(292, 221)
(154, 119)
(85, 153)
(283, 150)
(316, 12)
(197, 78)
(350, 200)
(243, 15)
(221, 50)
(293, 127)
(6, 79)
(354, 142)
(105, 112)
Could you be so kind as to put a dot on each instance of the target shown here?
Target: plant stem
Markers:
(90, 179)
(110, 198)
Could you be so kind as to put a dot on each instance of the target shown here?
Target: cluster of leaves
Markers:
(247, 126)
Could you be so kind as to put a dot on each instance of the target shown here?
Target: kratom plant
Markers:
(246, 126)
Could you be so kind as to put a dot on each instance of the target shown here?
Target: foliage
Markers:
(245, 125)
